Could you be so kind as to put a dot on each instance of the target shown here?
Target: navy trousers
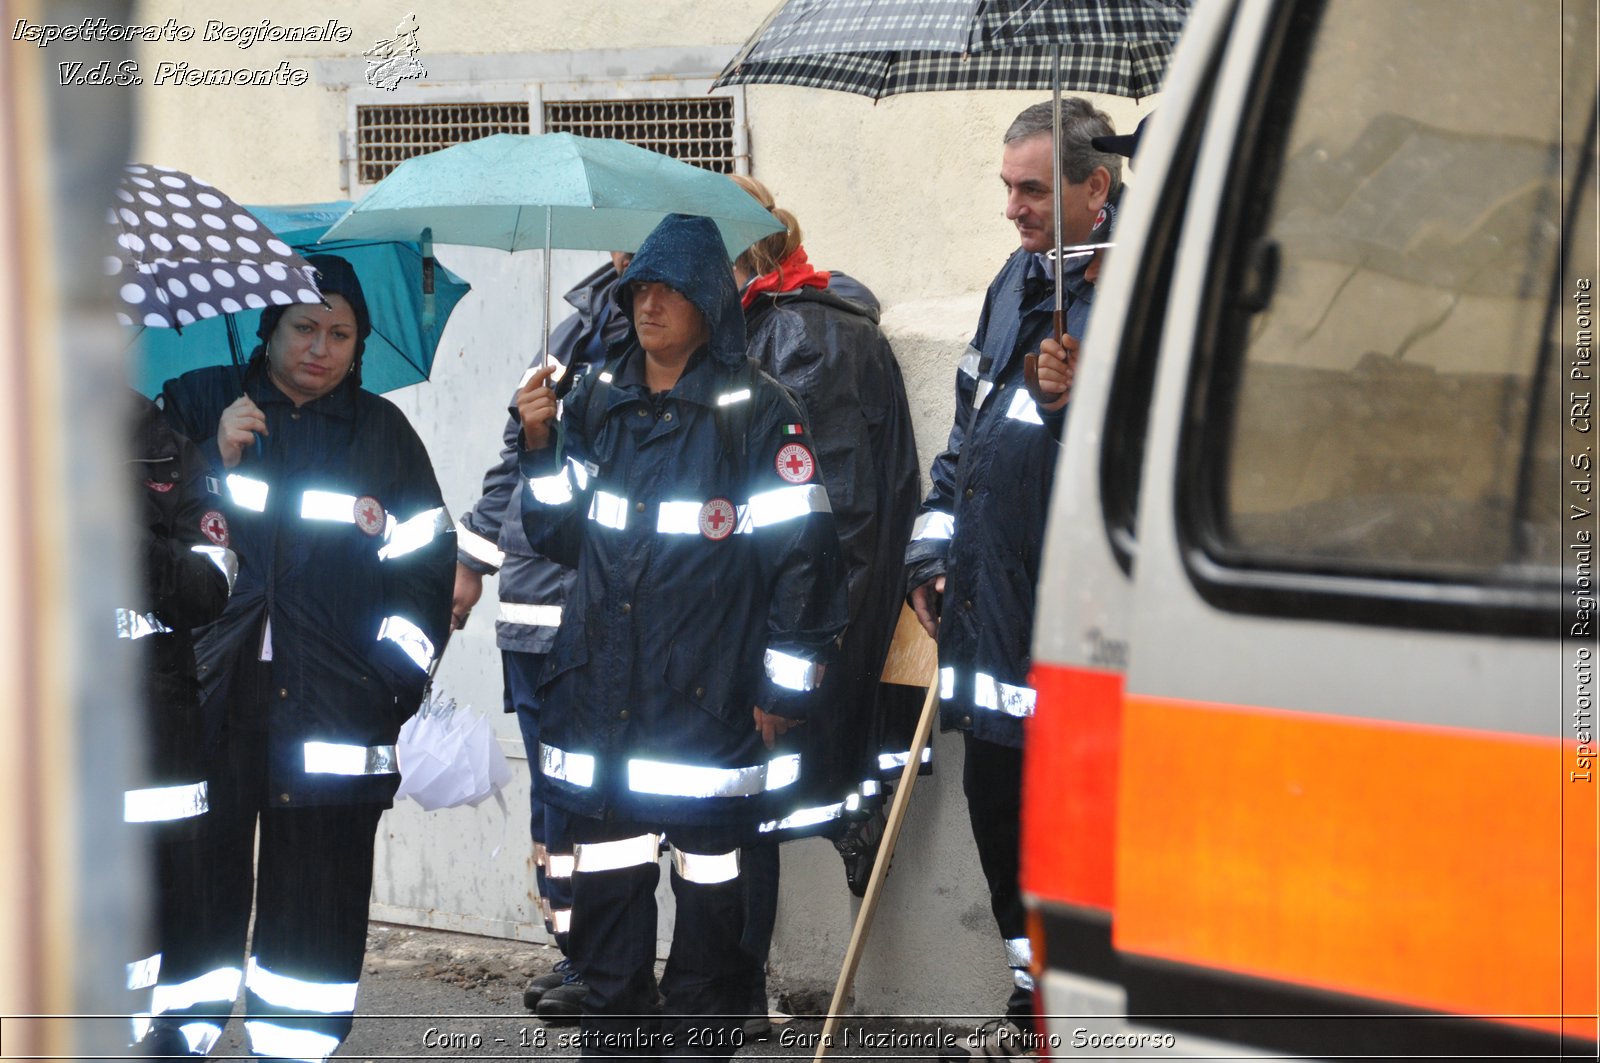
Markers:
(705, 985)
(992, 779)
(549, 826)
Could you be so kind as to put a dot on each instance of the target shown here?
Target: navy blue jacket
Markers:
(708, 572)
(345, 546)
(188, 568)
(982, 524)
(490, 538)
(824, 344)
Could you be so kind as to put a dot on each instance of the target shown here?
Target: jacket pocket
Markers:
(700, 676)
(570, 652)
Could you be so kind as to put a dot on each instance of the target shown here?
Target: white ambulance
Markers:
(1313, 766)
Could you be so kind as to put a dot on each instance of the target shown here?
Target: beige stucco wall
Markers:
(903, 194)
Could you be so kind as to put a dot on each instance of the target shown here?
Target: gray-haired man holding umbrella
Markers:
(973, 561)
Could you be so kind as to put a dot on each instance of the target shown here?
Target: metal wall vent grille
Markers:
(697, 130)
(389, 134)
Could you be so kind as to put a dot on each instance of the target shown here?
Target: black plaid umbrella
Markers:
(185, 251)
(881, 48)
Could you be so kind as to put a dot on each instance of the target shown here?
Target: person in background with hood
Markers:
(817, 333)
(681, 483)
(188, 571)
(343, 597)
(532, 589)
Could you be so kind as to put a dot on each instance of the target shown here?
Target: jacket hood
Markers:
(687, 255)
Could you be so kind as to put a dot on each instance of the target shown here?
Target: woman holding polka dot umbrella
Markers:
(186, 252)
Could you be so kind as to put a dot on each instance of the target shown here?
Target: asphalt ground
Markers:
(432, 995)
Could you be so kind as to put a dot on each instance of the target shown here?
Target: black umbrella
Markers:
(880, 48)
(186, 252)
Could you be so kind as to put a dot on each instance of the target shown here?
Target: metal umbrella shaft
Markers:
(1055, 184)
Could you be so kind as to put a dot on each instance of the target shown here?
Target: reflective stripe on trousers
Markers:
(706, 869)
(591, 857)
(298, 994)
(1019, 957)
(268, 1038)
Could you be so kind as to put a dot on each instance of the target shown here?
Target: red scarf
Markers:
(793, 272)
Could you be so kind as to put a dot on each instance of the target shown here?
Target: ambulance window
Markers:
(1384, 394)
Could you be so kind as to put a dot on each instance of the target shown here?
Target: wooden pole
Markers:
(880, 868)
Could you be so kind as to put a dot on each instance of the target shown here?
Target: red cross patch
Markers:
(158, 487)
(369, 514)
(796, 464)
(717, 519)
(214, 526)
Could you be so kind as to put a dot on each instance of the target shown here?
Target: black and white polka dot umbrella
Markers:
(185, 251)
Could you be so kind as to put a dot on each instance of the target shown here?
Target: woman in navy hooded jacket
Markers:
(682, 485)
(346, 564)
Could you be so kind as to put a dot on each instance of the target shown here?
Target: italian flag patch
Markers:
(794, 429)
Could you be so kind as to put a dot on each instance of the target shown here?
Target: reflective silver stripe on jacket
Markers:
(409, 637)
(1022, 979)
(890, 761)
(947, 683)
(132, 624)
(989, 693)
(223, 558)
(530, 615)
(159, 804)
(805, 817)
(297, 994)
(981, 394)
(933, 525)
(1019, 952)
(218, 986)
(329, 506)
(479, 548)
(788, 503)
(142, 974)
(414, 533)
(574, 768)
(288, 1042)
(793, 673)
(731, 397)
(561, 920)
(612, 856)
(247, 493)
(706, 869)
(971, 359)
(683, 518)
(665, 779)
(333, 758)
(558, 865)
(1023, 408)
(609, 510)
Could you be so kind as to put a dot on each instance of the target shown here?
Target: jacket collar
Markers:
(339, 404)
(703, 382)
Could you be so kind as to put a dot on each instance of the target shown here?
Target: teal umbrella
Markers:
(519, 192)
(406, 321)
